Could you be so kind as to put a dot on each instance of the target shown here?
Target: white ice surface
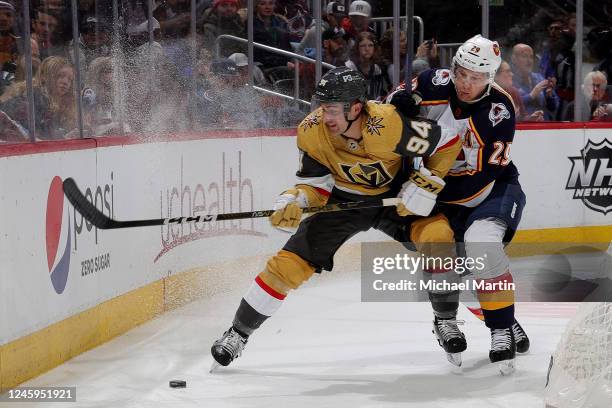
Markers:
(323, 348)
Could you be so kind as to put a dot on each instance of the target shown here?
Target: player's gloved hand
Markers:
(407, 102)
(418, 195)
(288, 210)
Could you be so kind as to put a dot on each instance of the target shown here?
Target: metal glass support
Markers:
(410, 40)
(77, 65)
(116, 74)
(396, 41)
(296, 78)
(250, 48)
(319, 47)
(28, 67)
(484, 20)
(578, 61)
(150, 25)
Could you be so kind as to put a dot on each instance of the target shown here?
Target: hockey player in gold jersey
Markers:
(350, 150)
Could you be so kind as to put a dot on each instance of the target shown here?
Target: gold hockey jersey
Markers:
(368, 166)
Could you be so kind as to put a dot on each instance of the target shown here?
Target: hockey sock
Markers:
(283, 272)
(259, 303)
(496, 298)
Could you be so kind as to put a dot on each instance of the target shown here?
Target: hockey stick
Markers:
(102, 221)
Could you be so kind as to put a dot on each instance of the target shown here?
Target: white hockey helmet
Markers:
(360, 8)
(478, 54)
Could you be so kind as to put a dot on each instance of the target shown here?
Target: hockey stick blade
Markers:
(102, 221)
(83, 206)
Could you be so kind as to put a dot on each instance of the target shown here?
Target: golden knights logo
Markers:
(310, 121)
(591, 176)
(370, 174)
(374, 124)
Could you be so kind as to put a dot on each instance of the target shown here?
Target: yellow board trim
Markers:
(36, 353)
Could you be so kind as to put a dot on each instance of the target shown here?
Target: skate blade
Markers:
(506, 367)
(214, 367)
(454, 359)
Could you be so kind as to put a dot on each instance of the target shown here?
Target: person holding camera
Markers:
(596, 100)
(537, 93)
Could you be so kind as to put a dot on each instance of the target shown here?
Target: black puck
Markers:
(178, 384)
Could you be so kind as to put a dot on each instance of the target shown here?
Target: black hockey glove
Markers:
(407, 102)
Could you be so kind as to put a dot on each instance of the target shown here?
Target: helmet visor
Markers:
(467, 76)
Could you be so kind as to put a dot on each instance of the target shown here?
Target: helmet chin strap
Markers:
(484, 94)
(350, 122)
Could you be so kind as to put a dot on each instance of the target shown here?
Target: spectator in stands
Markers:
(242, 62)
(54, 6)
(427, 52)
(223, 18)
(595, 97)
(45, 26)
(552, 46)
(147, 72)
(364, 55)
(599, 41)
(358, 20)
(100, 116)
(53, 101)
(9, 42)
(96, 34)
(334, 47)
(334, 13)
(174, 18)
(94, 41)
(537, 92)
(298, 18)
(270, 29)
(227, 102)
(20, 73)
(386, 49)
(503, 78)
(565, 64)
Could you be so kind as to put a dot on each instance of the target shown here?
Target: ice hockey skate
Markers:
(450, 338)
(228, 348)
(503, 350)
(520, 338)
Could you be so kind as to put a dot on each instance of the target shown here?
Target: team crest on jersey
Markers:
(310, 121)
(369, 174)
(498, 113)
(442, 77)
(373, 125)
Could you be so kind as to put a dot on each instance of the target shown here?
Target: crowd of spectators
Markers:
(166, 69)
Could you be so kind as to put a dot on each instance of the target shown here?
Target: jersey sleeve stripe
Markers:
(323, 192)
(438, 102)
(449, 144)
(480, 142)
(474, 200)
(323, 183)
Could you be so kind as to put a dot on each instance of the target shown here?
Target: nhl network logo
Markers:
(591, 176)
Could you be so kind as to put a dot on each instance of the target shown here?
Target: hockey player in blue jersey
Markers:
(482, 198)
